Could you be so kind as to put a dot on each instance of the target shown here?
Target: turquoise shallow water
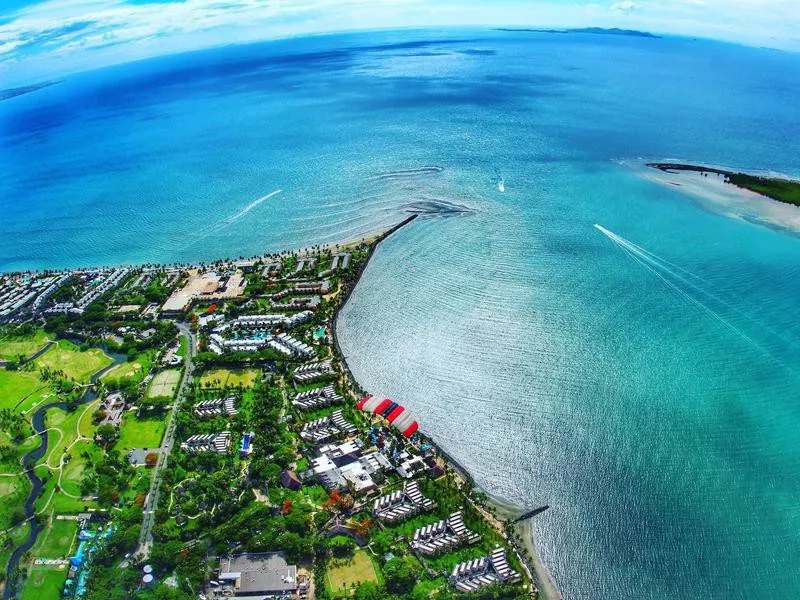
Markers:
(652, 404)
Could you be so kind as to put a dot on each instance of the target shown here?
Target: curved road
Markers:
(151, 504)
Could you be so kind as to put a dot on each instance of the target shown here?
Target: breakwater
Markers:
(511, 517)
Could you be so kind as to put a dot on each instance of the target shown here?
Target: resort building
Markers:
(256, 577)
(443, 535)
(209, 442)
(49, 291)
(245, 266)
(205, 287)
(409, 465)
(271, 269)
(340, 260)
(218, 344)
(216, 407)
(269, 321)
(472, 575)
(402, 504)
(101, 283)
(317, 398)
(326, 429)
(259, 321)
(300, 303)
(286, 344)
(312, 287)
(306, 264)
(298, 319)
(345, 466)
(313, 371)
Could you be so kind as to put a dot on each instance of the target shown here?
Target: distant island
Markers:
(775, 188)
(20, 91)
(590, 30)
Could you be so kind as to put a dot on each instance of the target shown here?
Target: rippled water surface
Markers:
(642, 383)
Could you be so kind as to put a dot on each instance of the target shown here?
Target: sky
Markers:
(47, 39)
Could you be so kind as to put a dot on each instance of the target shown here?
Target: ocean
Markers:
(643, 384)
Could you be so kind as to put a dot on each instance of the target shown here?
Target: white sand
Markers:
(713, 194)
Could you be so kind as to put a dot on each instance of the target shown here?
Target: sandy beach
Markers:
(712, 193)
(541, 576)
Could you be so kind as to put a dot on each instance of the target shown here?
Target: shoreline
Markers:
(711, 191)
(368, 237)
(505, 511)
(501, 513)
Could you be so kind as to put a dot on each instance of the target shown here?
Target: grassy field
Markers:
(11, 540)
(72, 472)
(140, 433)
(64, 430)
(56, 540)
(344, 573)
(12, 347)
(135, 370)
(230, 378)
(13, 491)
(165, 383)
(51, 501)
(21, 389)
(13, 464)
(76, 364)
(182, 347)
(44, 582)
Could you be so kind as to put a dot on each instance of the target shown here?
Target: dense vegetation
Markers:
(782, 190)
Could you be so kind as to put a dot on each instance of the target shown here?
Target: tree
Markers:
(151, 459)
(367, 591)
(106, 434)
(342, 546)
(398, 575)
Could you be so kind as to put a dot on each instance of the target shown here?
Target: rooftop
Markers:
(258, 573)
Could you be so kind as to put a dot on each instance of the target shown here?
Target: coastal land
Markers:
(195, 421)
(767, 200)
(779, 189)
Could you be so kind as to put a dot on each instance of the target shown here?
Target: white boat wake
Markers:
(248, 208)
(673, 276)
(219, 226)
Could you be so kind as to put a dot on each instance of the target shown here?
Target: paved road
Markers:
(151, 505)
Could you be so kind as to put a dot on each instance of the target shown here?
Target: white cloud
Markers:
(55, 37)
(625, 6)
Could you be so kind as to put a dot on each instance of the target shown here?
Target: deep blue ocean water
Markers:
(650, 397)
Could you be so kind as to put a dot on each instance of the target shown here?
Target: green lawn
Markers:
(165, 383)
(140, 433)
(13, 491)
(135, 370)
(56, 540)
(344, 573)
(11, 540)
(182, 347)
(12, 347)
(72, 473)
(230, 378)
(63, 432)
(13, 464)
(61, 504)
(76, 364)
(44, 582)
(21, 389)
